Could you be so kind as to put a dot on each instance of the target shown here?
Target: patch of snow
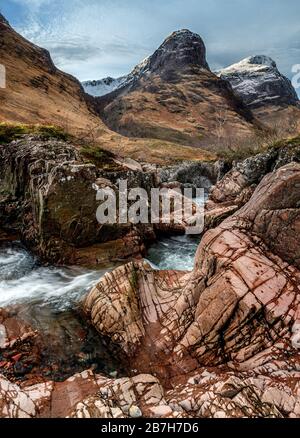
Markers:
(103, 86)
(258, 63)
(107, 85)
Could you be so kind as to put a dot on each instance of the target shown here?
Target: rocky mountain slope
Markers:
(37, 92)
(257, 81)
(173, 95)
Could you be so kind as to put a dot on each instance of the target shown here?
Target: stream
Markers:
(47, 298)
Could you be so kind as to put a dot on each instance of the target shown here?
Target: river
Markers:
(47, 297)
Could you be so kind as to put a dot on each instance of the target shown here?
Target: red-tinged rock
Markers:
(17, 357)
(241, 298)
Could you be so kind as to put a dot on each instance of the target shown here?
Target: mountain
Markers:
(103, 86)
(258, 82)
(38, 93)
(173, 95)
(107, 85)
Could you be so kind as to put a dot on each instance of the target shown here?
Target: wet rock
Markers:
(49, 197)
(236, 309)
(237, 185)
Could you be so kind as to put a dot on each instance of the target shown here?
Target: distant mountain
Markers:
(103, 86)
(173, 95)
(107, 85)
(169, 104)
(258, 82)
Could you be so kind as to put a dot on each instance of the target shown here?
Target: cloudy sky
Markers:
(92, 39)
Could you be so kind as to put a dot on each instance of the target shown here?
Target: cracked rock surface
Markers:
(239, 308)
(220, 341)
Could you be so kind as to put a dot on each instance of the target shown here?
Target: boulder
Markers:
(240, 300)
(48, 195)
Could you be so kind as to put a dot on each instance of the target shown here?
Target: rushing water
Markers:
(23, 279)
(47, 297)
(174, 252)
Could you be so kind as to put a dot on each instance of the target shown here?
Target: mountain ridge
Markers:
(258, 82)
(176, 96)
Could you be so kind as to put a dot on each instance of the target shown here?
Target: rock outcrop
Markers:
(258, 82)
(209, 393)
(48, 196)
(221, 341)
(181, 49)
(238, 184)
(238, 309)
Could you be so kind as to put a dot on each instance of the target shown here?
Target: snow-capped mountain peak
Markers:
(180, 49)
(258, 82)
(250, 64)
(103, 86)
(107, 85)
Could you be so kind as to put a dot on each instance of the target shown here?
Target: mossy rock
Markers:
(99, 157)
(10, 132)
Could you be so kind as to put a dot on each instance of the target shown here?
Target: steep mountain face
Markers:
(36, 91)
(179, 49)
(258, 82)
(173, 95)
(3, 19)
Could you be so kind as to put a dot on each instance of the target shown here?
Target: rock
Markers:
(236, 187)
(95, 396)
(131, 164)
(135, 412)
(257, 81)
(182, 48)
(239, 301)
(199, 174)
(49, 197)
(216, 213)
(13, 330)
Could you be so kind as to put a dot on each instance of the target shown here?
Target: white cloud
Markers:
(96, 38)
